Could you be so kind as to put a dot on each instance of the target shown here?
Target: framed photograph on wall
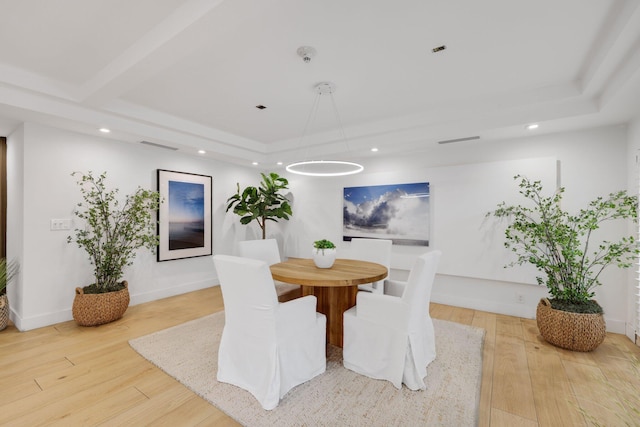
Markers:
(184, 217)
(398, 212)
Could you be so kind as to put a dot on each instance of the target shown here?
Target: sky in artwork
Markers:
(393, 210)
(186, 201)
(358, 195)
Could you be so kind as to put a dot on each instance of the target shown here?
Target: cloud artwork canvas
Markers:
(399, 212)
(184, 220)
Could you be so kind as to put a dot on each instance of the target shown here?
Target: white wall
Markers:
(40, 159)
(40, 188)
(15, 223)
(592, 163)
(633, 176)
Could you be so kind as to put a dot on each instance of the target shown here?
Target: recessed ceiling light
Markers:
(279, 163)
(255, 163)
(374, 149)
(260, 107)
(532, 126)
(202, 152)
(105, 130)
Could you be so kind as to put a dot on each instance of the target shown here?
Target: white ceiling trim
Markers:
(610, 56)
(89, 120)
(201, 42)
(117, 77)
(127, 109)
(19, 78)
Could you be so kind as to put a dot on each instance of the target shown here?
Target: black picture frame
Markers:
(185, 217)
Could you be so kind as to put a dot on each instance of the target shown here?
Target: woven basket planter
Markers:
(4, 311)
(572, 331)
(98, 309)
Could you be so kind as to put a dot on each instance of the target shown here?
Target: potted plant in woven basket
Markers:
(113, 231)
(8, 270)
(560, 245)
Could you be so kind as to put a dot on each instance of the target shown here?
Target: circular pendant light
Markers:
(323, 167)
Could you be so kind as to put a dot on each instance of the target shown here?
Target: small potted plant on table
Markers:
(324, 253)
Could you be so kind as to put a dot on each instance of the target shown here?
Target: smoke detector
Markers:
(306, 53)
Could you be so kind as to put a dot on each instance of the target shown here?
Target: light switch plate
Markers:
(61, 224)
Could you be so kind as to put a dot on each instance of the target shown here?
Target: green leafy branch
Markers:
(8, 270)
(113, 230)
(559, 244)
(263, 203)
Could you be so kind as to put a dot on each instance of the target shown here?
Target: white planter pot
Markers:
(324, 258)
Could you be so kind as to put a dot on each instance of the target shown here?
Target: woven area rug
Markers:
(339, 397)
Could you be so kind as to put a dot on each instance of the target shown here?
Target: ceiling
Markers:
(189, 74)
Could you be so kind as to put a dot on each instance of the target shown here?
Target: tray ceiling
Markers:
(189, 74)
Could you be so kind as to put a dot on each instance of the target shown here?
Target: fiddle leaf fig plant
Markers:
(561, 246)
(263, 203)
(113, 230)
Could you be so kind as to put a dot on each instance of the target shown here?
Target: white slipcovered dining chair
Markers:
(391, 336)
(372, 250)
(267, 250)
(267, 347)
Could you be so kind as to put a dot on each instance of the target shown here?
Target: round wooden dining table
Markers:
(335, 288)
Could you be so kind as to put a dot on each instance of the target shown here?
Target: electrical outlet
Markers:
(520, 298)
(60, 224)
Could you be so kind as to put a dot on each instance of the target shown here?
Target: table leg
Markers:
(333, 302)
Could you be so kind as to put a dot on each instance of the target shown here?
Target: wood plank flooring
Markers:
(73, 376)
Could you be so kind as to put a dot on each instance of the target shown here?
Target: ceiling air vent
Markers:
(449, 141)
(153, 144)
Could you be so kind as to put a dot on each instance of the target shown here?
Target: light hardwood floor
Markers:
(68, 375)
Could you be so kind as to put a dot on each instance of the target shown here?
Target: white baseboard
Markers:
(39, 321)
(172, 291)
(518, 310)
(630, 331)
(29, 323)
(509, 309)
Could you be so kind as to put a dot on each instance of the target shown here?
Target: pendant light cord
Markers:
(323, 167)
(310, 119)
(342, 133)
